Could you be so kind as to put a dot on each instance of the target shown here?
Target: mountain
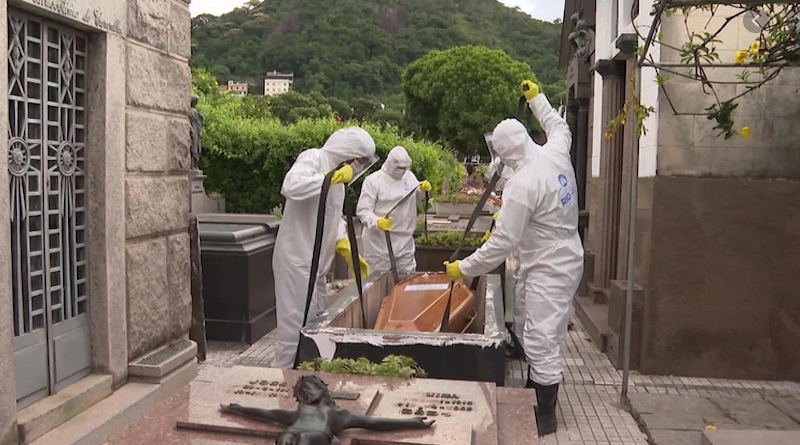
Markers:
(359, 48)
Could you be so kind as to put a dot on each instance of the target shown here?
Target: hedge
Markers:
(245, 158)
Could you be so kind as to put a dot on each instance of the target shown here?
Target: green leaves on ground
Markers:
(390, 366)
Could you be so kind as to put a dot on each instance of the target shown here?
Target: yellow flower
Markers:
(744, 132)
(608, 135)
(754, 48)
(741, 57)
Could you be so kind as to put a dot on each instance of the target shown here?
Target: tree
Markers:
(460, 94)
(364, 108)
(204, 83)
(341, 108)
(292, 106)
(359, 48)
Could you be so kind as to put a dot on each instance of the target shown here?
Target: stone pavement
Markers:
(589, 409)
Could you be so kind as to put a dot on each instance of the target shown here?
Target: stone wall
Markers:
(156, 182)
(722, 297)
(689, 146)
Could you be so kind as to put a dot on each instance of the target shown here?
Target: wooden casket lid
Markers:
(418, 304)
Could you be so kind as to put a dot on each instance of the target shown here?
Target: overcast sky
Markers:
(548, 10)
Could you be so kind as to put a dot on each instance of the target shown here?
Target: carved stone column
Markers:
(610, 173)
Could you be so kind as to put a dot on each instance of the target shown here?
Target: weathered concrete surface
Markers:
(180, 31)
(39, 418)
(679, 420)
(106, 176)
(179, 285)
(149, 22)
(178, 145)
(157, 82)
(721, 296)
(672, 437)
(789, 406)
(148, 305)
(751, 437)
(156, 205)
(146, 142)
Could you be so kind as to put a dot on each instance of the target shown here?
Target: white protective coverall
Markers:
(539, 218)
(380, 192)
(294, 247)
(512, 262)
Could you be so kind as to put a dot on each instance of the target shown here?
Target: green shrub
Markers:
(391, 366)
(448, 239)
(455, 198)
(246, 158)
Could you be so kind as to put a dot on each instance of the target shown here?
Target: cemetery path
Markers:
(589, 409)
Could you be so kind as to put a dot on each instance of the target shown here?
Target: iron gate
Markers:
(47, 164)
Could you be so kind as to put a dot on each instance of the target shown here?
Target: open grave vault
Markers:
(475, 355)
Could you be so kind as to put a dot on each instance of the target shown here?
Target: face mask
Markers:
(361, 165)
(399, 172)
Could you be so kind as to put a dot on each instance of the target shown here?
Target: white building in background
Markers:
(277, 83)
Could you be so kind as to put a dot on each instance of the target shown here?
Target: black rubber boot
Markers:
(545, 410)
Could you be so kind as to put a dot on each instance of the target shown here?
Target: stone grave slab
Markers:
(465, 412)
(462, 410)
(261, 388)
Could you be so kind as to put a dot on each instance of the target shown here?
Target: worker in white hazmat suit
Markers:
(512, 266)
(380, 193)
(539, 218)
(294, 246)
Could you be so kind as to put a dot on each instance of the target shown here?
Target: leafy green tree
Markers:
(364, 108)
(341, 108)
(292, 106)
(460, 94)
(204, 83)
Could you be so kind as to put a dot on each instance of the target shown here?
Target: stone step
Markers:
(750, 437)
(96, 424)
(36, 420)
(155, 366)
(594, 318)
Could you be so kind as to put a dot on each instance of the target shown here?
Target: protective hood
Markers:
(397, 163)
(507, 173)
(510, 141)
(348, 144)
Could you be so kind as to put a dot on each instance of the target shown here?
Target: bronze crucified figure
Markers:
(318, 420)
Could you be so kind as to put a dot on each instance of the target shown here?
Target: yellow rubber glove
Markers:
(425, 186)
(385, 224)
(531, 91)
(487, 235)
(454, 270)
(343, 249)
(343, 175)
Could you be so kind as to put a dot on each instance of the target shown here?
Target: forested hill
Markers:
(357, 48)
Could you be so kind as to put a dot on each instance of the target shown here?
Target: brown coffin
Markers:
(418, 304)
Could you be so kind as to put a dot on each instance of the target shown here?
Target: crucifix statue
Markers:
(318, 420)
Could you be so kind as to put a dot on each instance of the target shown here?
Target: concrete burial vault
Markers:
(476, 355)
(466, 413)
